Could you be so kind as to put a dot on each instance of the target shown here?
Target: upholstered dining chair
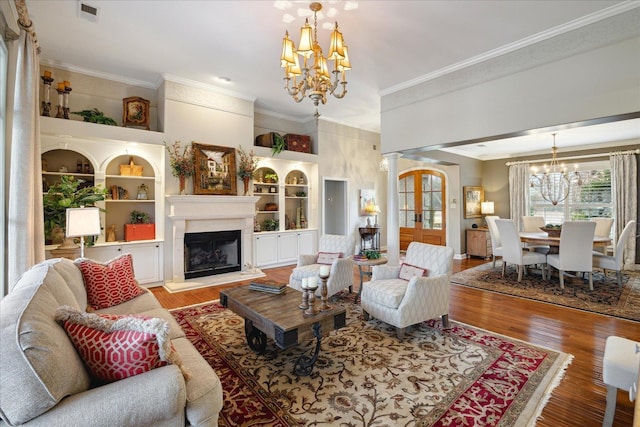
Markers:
(496, 244)
(512, 251)
(575, 253)
(532, 224)
(603, 228)
(615, 262)
(413, 292)
(333, 250)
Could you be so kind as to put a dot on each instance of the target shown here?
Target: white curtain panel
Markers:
(624, 182)
(25, 218)
(518, 192)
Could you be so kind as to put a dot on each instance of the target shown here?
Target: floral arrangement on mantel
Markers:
(182, 162)
(247, 166)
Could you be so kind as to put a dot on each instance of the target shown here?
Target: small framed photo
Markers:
(473, 197)
(215, 170)
(135, 112)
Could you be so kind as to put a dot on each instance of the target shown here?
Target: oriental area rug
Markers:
(364, 376)
(606, 298)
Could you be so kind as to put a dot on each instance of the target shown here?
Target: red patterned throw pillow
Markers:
(116, 347)
(408, 271)
(109, 283)
(328, 257)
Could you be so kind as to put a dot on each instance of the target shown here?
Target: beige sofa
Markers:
(43, 381)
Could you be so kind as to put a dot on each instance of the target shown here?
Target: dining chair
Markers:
(615, 262)
(575, 252)
(512, 251)
(496, 244)
(603, 228)
(532, 224)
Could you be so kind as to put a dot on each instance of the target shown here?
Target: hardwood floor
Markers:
(579, 400)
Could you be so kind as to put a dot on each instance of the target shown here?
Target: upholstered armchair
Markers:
(333, 250)
(401, 296)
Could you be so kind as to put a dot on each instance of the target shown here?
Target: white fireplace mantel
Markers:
(209, 213)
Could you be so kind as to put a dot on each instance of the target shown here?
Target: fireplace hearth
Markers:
(213, 252)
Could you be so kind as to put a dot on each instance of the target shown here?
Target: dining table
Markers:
(541, 238)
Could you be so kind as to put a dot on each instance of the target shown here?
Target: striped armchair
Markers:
(341, 272)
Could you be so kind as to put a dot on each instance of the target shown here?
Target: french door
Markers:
(422, 207)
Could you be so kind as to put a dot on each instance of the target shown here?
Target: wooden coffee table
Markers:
(278, 316)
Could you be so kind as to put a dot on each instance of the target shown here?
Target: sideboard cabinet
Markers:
(479, 242)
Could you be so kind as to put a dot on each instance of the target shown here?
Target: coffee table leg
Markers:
(256, 339)
(304, 364)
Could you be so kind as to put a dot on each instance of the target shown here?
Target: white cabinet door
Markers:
(266, 249)
(306, 242)
(146, 261)
(103, 253)
(287, 247)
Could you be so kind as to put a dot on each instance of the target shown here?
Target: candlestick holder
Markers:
(65, 111)
(60, 113)
(311, 310)
(46, 104)
(305, 299)
(323, 293)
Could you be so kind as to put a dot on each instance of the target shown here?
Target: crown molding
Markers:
(511, 47)
(98, 74)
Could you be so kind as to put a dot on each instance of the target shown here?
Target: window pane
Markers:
(436, 183)
(426, 182)
(409, 181)
(437, 220)
(402, 219)
(436, 201)
(426, 201)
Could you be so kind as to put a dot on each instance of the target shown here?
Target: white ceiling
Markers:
(391, 43)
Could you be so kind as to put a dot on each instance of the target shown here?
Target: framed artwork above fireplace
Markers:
(215, 170)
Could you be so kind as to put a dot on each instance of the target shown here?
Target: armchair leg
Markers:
(520, 269)
(365, 315)
(590, 280)
(561, 274)
(400, 333)
(445, 321)
(619, 277)
(504, 268)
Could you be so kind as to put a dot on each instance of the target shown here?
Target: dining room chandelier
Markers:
(554, 182)
(313, 79)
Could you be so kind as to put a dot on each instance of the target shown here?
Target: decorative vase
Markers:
(182, 180)
(245, 182)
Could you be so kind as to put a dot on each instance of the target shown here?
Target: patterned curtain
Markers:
(25, 233)
(519, 192)
(624, 183)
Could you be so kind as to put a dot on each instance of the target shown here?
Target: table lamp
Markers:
(83, 222)
(372, 209)
(487, 208)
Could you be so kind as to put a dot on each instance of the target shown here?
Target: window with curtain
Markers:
(593, 199)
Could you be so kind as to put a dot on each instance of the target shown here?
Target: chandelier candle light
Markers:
(555, 183)
(315, 79)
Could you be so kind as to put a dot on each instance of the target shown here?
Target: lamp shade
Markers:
(83, 222)
(486, 208)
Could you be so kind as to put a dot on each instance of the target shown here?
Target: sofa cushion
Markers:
(109, 283)
(388, 293)
(38, 363)
(116, 347)
(408, 271)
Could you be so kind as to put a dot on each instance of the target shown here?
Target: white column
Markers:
(393, 224)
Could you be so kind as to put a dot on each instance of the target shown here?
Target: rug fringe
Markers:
(195, 305)
(562, 370)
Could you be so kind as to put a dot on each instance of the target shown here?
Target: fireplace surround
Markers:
(202, 214)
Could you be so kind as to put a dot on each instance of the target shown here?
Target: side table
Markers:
(369, 234)
(364, 268)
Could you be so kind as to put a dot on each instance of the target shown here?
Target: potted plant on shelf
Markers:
(246, 167)
(67, 193)
(278, 144)
(139, 227)
(182, 163)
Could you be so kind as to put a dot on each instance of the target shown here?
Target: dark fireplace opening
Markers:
(212, 252)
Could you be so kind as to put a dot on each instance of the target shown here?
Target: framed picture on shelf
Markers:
(215, 170)
(473, 196)
(135, 112)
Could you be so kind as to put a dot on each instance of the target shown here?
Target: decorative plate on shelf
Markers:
(135, 112)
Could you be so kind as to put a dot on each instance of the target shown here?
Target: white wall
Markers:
(588, 73)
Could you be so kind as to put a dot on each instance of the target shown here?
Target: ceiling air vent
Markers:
(88, 12)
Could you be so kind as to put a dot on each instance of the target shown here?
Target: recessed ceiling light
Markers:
(223, 79)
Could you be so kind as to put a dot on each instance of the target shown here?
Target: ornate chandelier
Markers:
(315, 80)
(554, 182)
